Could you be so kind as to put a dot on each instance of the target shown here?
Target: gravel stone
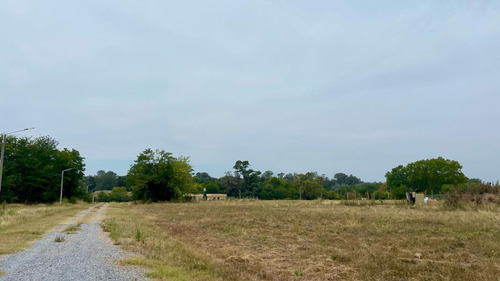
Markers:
(85, 255)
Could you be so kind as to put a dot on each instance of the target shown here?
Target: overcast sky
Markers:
(357, 87)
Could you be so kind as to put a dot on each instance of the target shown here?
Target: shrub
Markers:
(472, 192)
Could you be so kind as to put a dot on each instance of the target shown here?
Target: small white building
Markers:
(216, 196)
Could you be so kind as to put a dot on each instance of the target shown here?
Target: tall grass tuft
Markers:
(110, 225)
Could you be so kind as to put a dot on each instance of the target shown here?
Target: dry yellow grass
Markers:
(20, 225)
(309, 240)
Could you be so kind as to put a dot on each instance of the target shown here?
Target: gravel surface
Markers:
(85, 255)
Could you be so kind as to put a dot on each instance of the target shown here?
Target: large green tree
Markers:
(249, 187)
(426, 175)
(158, 176)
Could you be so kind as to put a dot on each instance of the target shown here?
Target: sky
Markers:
(357, 87)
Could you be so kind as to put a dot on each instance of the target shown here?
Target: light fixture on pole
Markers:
(88, 187)
(62, 181)
(4, 136)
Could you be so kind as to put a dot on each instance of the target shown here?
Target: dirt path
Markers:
(85, 253)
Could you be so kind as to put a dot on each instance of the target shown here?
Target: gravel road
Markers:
(85, 255)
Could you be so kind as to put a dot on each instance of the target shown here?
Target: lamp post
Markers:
(62, 181)
(4, 135)
(88, 187)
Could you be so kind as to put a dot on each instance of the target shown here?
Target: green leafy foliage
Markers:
(105, 180)
(276, 188)
(32, 170)
(158, 176)
(309, 185)
(425, 175)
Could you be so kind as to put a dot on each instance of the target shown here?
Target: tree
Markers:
(105, 180)
(158, 176)
(32, 170)
(211, 187)
(397, 177)
(266, 175)
(277, 188)
(119, 194)
(343, 179)
(121, 181)
(231, 183)
(426, 175)
(203, 177)
(250, 184)
(309, 185)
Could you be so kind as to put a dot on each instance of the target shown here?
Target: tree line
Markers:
(157, 175)
(33, 166)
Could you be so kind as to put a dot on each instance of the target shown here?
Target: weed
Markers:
(139, 236)
(299, 273)
(11, 212)
(59, 238)
(72, 228)
(262, 239)
(109, 225)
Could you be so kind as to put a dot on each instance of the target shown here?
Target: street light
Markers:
(4, 135)
(62, 181)
(88, 187)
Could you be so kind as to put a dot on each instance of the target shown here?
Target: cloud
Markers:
(356, 87)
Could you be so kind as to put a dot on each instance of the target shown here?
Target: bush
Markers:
(399, 192)
(87, 197)
(479, 193)
(380, 195)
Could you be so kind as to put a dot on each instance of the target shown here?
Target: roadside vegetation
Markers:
(32, 171)
(309, 240)
(21, 225)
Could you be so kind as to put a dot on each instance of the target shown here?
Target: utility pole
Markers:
(4, 136)
(62, 182)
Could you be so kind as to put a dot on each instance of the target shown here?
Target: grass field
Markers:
(20, 224)
(308, 240)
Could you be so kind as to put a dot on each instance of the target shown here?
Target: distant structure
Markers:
(195, 197)
(216, 197)
(208, 197)
(416, 198)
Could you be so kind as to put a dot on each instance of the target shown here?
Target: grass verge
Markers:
(21, 225)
